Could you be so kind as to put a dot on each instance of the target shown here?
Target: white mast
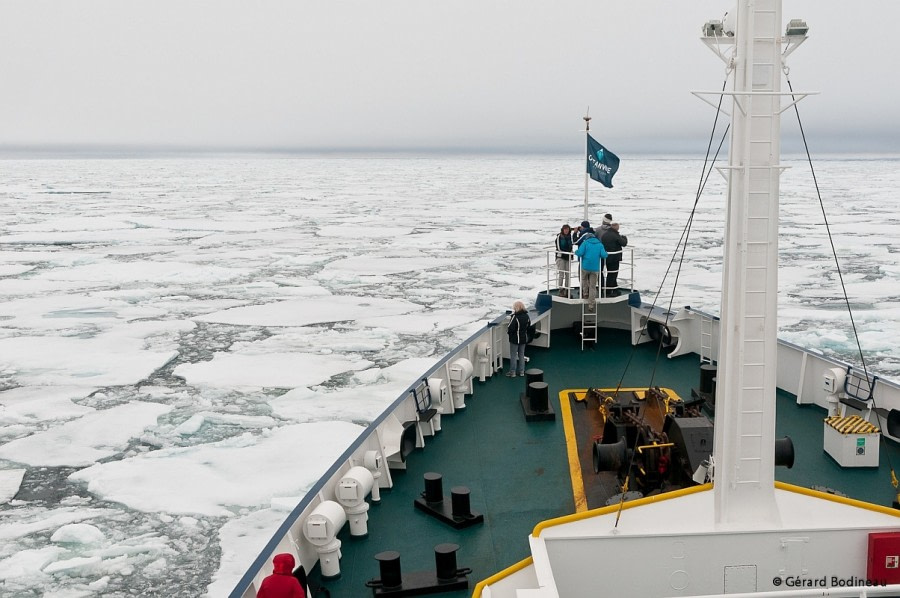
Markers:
(744, 450)
(587, 132)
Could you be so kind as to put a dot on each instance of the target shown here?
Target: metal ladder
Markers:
(706, 336)
(588, 321)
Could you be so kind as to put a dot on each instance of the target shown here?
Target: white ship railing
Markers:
(801, 371)
(553, 274)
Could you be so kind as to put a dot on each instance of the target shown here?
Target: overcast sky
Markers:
(419, 74)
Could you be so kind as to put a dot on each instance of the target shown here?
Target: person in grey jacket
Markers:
(604, 226)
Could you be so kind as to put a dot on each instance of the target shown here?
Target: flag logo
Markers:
(602, 164)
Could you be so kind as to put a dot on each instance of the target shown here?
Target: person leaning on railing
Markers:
(517, 331)
(563, 257)
(613, 242)
(591, 251)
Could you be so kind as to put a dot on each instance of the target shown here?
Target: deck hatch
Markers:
(739, 579)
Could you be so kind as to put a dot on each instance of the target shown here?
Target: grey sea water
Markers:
(131, 384)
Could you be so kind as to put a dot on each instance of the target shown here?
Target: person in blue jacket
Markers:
(591, 251)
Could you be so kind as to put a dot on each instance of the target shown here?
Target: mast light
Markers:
(713, 29)
(797, 27)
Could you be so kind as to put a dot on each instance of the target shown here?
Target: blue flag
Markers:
(602, 164)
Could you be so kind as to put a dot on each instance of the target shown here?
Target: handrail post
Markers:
(631, 251)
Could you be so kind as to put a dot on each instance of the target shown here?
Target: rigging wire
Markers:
(869, 382)
(682, 241)
(682, 245)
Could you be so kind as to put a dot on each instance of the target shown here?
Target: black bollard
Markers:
(445, 561)
(434, 488)
(455, 512)
(459, 499)
(533, 375)
(446, 577)
(389, 568)
(707, 375)
(538, 396)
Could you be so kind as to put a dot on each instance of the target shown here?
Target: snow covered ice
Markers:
(177, 334)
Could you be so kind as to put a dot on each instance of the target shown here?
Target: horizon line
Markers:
(97, 151)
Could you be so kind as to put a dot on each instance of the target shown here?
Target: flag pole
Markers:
(587, 129)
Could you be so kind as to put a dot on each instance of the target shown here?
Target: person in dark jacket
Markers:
(613, 242)
(590, 251)
(580, 232)
(563, 258)
(517, 330)
(282, 583)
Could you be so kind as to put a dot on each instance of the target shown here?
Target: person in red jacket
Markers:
(282, 583)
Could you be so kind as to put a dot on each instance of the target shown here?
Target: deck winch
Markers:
(657, 441)
(653, 438)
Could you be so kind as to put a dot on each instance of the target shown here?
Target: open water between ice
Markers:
(186, 344)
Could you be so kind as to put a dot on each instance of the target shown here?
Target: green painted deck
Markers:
(518, 473)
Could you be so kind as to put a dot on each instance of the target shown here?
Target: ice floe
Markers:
(219, 479)
(85, 440)
(174, 333)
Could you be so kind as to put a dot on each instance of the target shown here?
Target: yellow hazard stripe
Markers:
(572, 448)
(536, 532)
(851, 424)
(479, 587)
